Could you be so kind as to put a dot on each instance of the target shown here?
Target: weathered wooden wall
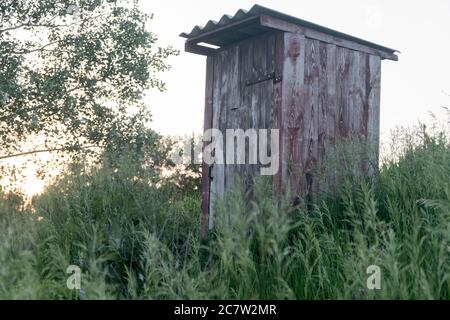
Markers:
(328, 94)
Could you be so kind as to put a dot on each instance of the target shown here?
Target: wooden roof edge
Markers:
(192, 44)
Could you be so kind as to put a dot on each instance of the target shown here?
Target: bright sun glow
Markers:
(27, 168)
(32, 185)
(29, 184)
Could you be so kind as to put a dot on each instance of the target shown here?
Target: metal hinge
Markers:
(266, 77)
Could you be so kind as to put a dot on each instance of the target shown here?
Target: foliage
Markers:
(74, 72)
(134, 235)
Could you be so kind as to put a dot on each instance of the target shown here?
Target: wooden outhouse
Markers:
(268, 70)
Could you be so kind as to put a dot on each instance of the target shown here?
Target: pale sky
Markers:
(411, 87)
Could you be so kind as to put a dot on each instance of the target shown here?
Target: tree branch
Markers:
(48, 24)
(12, 28)
(38, 49)
(32, 152)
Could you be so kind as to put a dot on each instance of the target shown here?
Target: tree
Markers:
(74, 72)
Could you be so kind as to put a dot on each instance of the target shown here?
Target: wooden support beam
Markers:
(197, 49)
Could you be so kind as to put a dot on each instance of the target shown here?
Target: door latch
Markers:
(266, 77)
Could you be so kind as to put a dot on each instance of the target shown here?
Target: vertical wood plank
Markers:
(353, 104)
(232, 87)
(361, 132)
(207, 125)
(310, 132)
(343, 65)
(324, 114)
(277, 117)
(268, 87)
(246, 61)
(267, 95)
(223, 112)
(258, 96)
(217, 184)
(357, 102)
(332, 120)
(327, 117)
(292, 110)
(363, 95)
(357, 95)
(373, 122)
(331, 93)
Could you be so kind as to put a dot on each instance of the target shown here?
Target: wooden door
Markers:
(244, 80)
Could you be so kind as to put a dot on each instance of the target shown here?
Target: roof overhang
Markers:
(260, 20)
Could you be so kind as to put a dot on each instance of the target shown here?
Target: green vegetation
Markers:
(72, 77)
(135, 236)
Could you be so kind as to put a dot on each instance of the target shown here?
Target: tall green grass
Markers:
(135, 236)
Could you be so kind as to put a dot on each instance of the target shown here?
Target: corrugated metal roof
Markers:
(251, 30)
